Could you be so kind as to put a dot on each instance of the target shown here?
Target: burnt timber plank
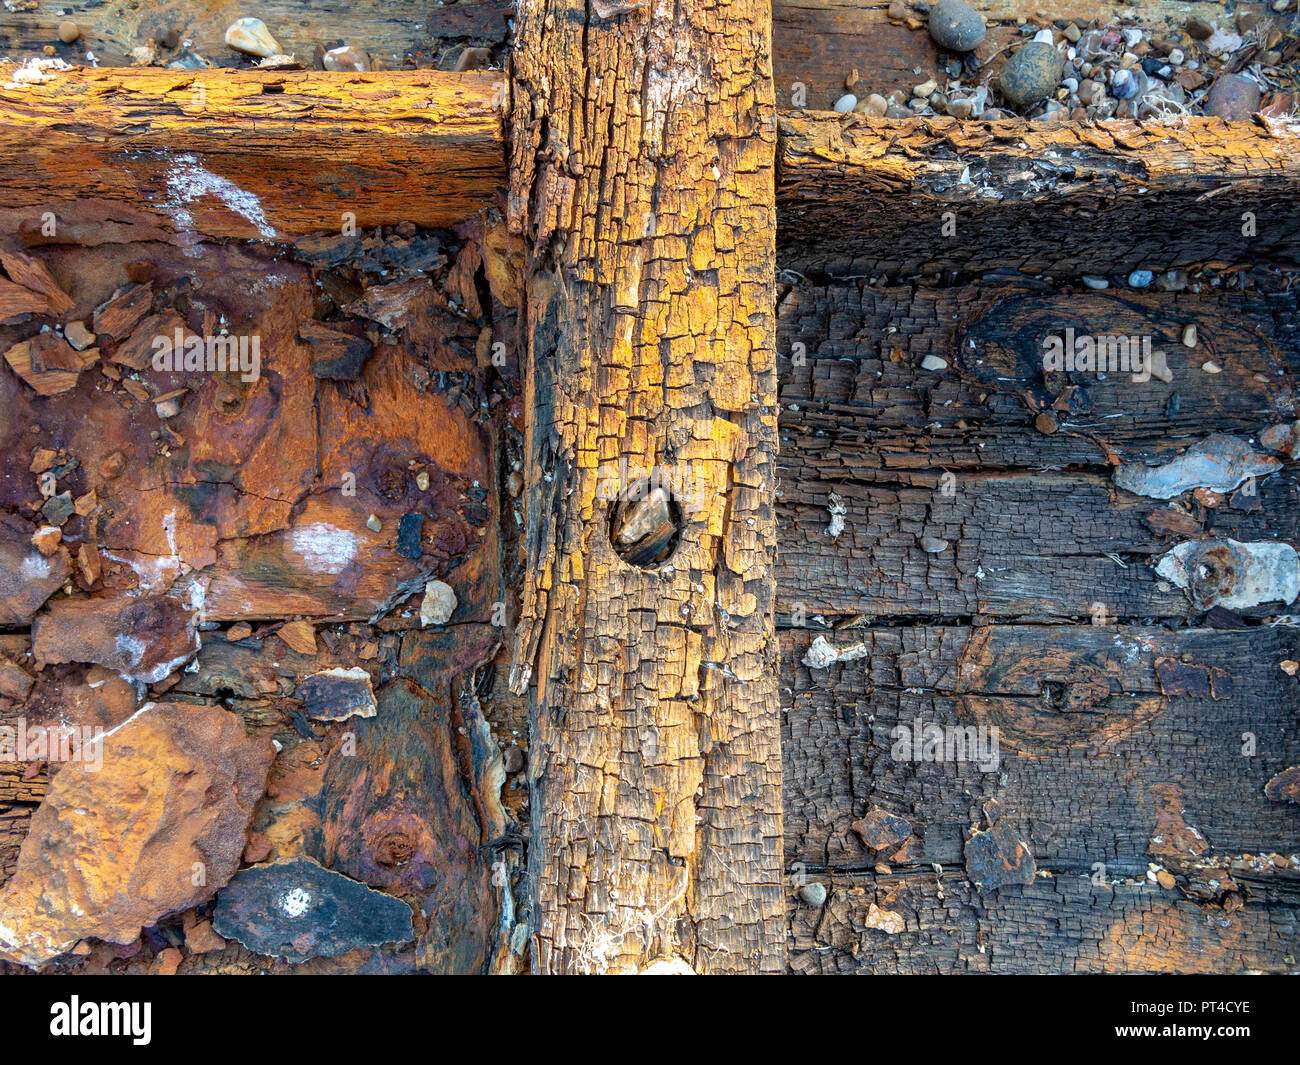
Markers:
(852, 384)
(180, 155)
(1033, 519)
(1096, 726)
(1057, 925)
(641, 185)
(868, 196)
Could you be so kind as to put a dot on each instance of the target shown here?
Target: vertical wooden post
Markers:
(641, 187)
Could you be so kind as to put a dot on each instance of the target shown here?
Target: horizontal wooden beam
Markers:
(183, 155)
(862, 195)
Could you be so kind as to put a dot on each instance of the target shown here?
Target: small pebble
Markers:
(875, 104)
(1031, 74)
(76, 334)
(422, 480)
(1123, 85)
(1095, 283)
(813, 894)
(374, 524)
(846, 103)
(1189, 337)
(956, 25)
(1232, 97)
(1176, 57)
(934, 362)
(438, 605)
(1211, 367)
(926, 89)
(250, 35)
(932, 545)
(1165, 879)
(346, 60)
(69, 32)
(1199, 29)
(1140, 279)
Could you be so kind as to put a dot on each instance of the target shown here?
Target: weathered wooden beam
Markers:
(184, 155)
(641, 184)
(868, 196)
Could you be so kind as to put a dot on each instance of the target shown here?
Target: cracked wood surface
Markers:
(641, 184)
(1094, 725)
(868, 196)
(178, 155)
(1032, 519)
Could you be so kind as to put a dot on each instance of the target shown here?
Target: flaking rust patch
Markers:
(298, 910)
(998, 857)
(1173, 839)
(1190, 679)
(337, 694)
(1285, 787)
(1231, 574)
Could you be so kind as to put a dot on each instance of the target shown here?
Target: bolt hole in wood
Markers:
(645, 523)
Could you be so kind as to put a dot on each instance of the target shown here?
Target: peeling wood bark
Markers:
(641, 186)
(179, 155)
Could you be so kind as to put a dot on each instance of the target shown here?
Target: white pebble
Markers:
(1189, 337)
(933, 362)
(845, 103)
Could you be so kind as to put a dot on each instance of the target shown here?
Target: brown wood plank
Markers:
(640, 183)
(181, 155)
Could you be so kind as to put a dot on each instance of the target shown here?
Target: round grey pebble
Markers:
(813, 894)
(846, 103)
(1140, 279)
(955, 25)
(1031, 74)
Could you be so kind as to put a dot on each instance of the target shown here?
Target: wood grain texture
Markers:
(184, 155)
(641, 185)
(1035, 524)
(868, 196)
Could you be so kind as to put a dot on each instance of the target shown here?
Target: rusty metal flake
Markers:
(1232, 574)
(298, 909)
